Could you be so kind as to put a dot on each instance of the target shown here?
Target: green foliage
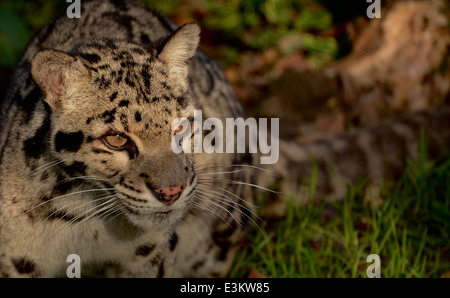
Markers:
(410, 232)
(19, 20)
(256, 25)
(253, 25)
(259, 25)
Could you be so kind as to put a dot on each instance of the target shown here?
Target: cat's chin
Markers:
(155, 220)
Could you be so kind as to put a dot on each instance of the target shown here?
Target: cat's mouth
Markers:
(142, 211)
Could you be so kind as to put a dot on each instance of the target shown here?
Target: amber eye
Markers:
(115, 141)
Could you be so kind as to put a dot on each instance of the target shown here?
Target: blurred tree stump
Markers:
(399, 63)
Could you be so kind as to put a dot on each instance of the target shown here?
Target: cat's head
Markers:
(112, 104)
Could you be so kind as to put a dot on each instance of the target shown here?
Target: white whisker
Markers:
(203, 168)
(233, 205)
(80, 206)
(68, 194)
(45, 167)
(218, 173)
(83, 178)
(210, 211)
(111, 203)
(217, 205)
(219, 193)
(212, 180)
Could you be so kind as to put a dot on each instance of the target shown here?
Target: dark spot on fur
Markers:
(138, 51)
(61, 215)
(129, 82)
(110, 43)
(76, 168)
(137, 116)
(100, 151)
(113, 96)
(224, 246)
(62, 186)
(91, 58)
(109, 116)
(144, 250)
(173, 241)
(24, 266)
(161, 270)
(114, 174)
(34, 147)
(102, 82)
(124, 103)
(182, 101)
(231, 228)
(133, 189)
(165, 86)
(68, 141)
(45, 199)
(144, 38)
(91, 68)
(197, 265)
(28, 104)
(44, 176)
(120, 4)
(156, 260)
(119, 76)
(146, 77)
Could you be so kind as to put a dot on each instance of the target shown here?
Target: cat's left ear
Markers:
(54, 72)
(179, 48)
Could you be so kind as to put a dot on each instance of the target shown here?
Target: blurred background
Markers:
(322, 66)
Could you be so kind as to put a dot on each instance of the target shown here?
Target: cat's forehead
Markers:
(129, 87)
(126, 73)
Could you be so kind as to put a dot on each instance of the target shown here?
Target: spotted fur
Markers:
(123, 70)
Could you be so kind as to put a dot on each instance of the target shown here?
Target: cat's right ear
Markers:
(53, 70)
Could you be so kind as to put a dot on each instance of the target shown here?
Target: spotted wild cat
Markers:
(86, 165)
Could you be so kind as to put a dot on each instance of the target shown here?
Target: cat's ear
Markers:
(53, 70)
(179, 49)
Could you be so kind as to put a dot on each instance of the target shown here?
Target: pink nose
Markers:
(168, 195)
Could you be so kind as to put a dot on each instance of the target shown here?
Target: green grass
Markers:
(410, 232)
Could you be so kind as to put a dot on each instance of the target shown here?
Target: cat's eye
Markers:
(115, 141)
